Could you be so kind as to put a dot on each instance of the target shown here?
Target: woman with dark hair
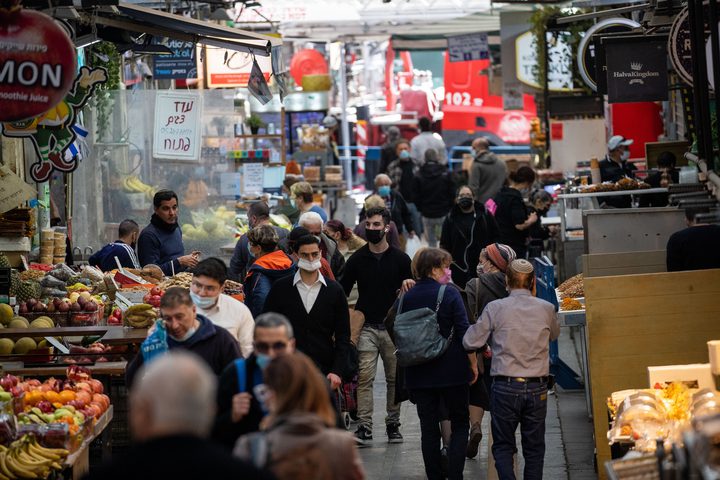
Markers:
(488, 286)
(346, 240)
(465, 231)
(513, 217)
(442, 383)
(298, 438)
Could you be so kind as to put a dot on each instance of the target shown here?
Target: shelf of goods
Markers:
(46, 427)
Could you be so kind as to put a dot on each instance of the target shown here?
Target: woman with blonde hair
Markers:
(298, 438)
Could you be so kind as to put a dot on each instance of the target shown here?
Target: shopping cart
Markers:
(346, 400)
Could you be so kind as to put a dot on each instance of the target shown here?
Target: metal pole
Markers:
(347, 163)
(715, 39)
(700, 88)
(546, 92)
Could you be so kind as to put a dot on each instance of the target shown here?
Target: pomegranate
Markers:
(37, 62)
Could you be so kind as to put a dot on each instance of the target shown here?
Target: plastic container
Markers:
(84, 319)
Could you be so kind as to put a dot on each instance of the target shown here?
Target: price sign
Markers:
(464, 48)
(177, 125)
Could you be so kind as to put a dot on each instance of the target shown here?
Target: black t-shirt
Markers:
(695, 248)
(407, 181)
(511, 211)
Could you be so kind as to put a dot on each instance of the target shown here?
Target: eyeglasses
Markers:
(262, 347)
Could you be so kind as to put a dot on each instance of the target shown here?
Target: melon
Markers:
(24, 345)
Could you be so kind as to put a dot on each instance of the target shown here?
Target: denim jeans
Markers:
(513, 403)
(372, 343)
(428, 401)
(433, 229)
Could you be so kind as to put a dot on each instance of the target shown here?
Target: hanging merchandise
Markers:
(37, 63)
(53, 132)
(257, 84)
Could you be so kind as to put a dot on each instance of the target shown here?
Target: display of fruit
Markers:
(6, 313)
(140, 316)
(133, 184)
(26, 458)
(183, 280)
(19, 322)
(28, 290)
(6, 346)
(15, 281)
(4, 262)
(154, 296)
(115, 317)
(24, 345)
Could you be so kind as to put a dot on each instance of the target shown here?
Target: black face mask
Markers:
(374, 236)
(465, 203)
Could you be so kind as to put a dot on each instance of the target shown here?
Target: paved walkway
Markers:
(568, 439)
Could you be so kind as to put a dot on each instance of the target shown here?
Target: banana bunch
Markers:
(134, 185)
(140, 316)
(25, 458)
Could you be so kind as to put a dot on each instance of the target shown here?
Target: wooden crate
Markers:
(636, 321)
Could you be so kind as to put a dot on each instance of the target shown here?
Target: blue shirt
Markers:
(104, 258)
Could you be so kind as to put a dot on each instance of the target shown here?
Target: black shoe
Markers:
(393, 433)
(444, 462)
(474, 441)
(363, 433)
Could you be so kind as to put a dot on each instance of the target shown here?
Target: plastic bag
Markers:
(49, 281)
(412, 246)
(155, 345)
(62, 272)
(92, 273)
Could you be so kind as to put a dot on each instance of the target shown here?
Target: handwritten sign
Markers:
(253, 177)
(13, 190)
(177, 125)
(464, 48)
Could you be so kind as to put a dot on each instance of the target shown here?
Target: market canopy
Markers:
(140, 19)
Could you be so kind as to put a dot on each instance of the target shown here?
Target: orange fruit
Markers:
(52, 396)
(32, 398)
(67, 396)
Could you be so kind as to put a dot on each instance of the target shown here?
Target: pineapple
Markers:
(14, 282)
(4, 262)
(27, 290)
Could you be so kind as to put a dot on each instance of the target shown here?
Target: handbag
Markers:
(417, 334)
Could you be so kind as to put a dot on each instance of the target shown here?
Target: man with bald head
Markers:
(172, 408)
(487, 172)
(518, 329)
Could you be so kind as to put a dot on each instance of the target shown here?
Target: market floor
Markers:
(568, 440)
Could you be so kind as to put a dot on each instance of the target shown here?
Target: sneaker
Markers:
(363, 433)
(474, 441)
(444, 462)
(393, 434)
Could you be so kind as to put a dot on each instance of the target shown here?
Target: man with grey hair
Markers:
(313, 222)
(239, 410)
(519, 329)
(171, 412)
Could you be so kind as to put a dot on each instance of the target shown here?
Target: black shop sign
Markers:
(636, 70)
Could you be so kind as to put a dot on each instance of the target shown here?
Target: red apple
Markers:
(155, 301)
(45, 406)
(156, 291)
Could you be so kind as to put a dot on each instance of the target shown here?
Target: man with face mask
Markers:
(187, 330)
(239, 409)
(224, 311)
(318, 310)
(258, 214)
(393, 201)
(402, 173)
(328, 247)
(379, 271)
(615, 165)
(123, 249)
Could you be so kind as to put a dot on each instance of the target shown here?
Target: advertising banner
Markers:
(180, 65)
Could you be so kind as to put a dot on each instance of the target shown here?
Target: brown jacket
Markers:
(301, 446)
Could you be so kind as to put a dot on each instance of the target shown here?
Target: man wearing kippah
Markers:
(519, 329)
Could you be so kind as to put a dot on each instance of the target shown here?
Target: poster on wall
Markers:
(465, 48)
(54, 132)
(636, 70)
(177, 125)
(231, 69)
(180, 65)
(559, 63)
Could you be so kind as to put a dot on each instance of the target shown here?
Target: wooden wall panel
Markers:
(636, 321)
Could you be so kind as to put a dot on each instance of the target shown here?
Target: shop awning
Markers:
(139, 19)
(428, 42)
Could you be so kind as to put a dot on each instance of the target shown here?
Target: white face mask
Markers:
(187, 335)
(625, 155)
(309, 266)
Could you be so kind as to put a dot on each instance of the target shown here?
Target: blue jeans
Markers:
(513, 403)
(429, 401)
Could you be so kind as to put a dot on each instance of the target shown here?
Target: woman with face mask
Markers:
(439, 388)
(513, 217)
(488, 286)
(465, 231)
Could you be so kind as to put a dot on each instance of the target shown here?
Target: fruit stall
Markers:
(46, 427)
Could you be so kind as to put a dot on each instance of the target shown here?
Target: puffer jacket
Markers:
(261, 277)
(434, 190)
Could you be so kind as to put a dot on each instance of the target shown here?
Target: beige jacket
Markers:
(300, 446)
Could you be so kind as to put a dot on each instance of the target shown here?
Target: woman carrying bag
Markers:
(443, 381)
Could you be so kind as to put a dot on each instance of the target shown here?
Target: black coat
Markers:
(178, 457)
(324, 333)
(434, 190)
(511, 211)
(456, 238)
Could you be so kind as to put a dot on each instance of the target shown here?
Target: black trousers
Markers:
(429, 402)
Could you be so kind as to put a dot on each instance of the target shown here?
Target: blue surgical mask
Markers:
(203, 302)
(187, 335)
(292, 203)
(404, 154)
(384, 191)
(252, 255)
(262, 360)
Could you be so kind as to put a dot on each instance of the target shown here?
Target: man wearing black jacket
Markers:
(379, 271)
(239, 411)
(318, 311)
(434, 195)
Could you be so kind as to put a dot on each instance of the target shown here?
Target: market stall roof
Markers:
(140, 19)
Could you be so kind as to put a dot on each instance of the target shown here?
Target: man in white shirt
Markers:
(209, 277)
(318, 311)
(425, 140)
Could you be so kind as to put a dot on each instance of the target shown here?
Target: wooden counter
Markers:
(78, 462)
